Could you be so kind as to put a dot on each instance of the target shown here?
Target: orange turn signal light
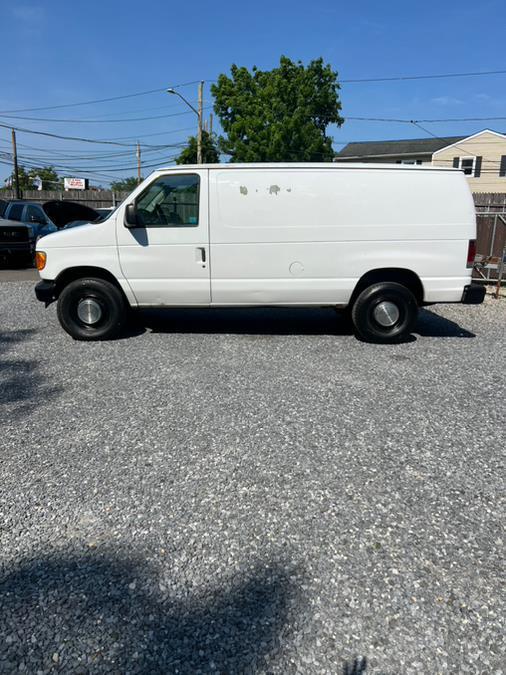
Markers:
(40, 260)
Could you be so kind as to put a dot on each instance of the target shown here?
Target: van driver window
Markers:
(170, 201)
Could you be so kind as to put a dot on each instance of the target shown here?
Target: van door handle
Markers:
(201, 255)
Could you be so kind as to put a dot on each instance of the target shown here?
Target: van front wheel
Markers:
(384, 312)
(91, 309)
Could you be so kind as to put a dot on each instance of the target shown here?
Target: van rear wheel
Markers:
(384, 312)
(91, 309)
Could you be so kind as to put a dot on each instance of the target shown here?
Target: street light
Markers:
(199, 117)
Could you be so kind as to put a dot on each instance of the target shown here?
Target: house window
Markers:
(409, 161)
(502, 168)
(467, 165)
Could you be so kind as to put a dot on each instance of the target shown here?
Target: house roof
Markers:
(411, 146)
(468, 138)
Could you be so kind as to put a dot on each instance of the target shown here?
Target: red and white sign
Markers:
(75, 183)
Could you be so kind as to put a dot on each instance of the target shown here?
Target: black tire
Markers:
(99, 293)
(370, 313)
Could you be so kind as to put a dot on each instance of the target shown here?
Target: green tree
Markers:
(49, 177)
(210, 151)
(125, 184)
(280, 114)
(25, 182)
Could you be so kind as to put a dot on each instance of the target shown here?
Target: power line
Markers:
(94, 152)
(429, 121)
(437, 76)
(396, 78)
(101, 100)
(463, 119)
(138, 110)
(158, 133)
(45, 159)
(84, 121)
(64, 168)
(378, 119)
(395, 120)
(67, 138)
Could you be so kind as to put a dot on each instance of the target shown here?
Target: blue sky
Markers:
(57, 52)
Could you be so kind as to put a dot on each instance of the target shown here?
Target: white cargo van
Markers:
(381, 240)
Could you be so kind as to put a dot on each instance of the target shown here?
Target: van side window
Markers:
(170, 201)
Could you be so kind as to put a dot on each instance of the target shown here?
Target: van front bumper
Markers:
(473, 294)
(45, 291)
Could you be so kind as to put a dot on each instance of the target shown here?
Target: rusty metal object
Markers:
(500, 273)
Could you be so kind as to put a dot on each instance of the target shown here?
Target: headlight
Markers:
(40, 260)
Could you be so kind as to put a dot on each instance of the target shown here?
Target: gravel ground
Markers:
(251, 491)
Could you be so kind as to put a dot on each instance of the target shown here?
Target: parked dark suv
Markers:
(23, 222)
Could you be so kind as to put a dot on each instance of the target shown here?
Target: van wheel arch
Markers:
(397, 275)
(73, 273)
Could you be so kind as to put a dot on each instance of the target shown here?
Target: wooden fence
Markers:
(491, 230)
(98, 199)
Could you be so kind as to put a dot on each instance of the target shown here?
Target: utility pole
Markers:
(199, 136)
(139, 178)
(16, 168)
(211, 124)
(198, 112)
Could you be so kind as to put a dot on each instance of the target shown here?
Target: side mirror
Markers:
(37, 219)
(130, 216)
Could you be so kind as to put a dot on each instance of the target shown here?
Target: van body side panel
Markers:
(327, 272)
(92, 245)
(306, 236)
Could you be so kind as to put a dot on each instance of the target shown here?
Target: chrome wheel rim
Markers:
(89, 311)
(386, 314)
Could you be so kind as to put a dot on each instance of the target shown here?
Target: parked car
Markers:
(30, 213)
(380, 240)
(22, 223)
(17, 243)
(105, 212)
(102, 215)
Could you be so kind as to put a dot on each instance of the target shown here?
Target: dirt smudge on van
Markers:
(274, 190)
(243, 190)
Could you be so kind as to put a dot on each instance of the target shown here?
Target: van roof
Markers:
(337, 166)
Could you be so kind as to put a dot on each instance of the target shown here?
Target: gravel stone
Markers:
(251, 491)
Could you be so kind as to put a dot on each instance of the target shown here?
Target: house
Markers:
(481, 156)
(410, 151)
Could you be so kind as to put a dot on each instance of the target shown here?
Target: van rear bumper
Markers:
(473, 294)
